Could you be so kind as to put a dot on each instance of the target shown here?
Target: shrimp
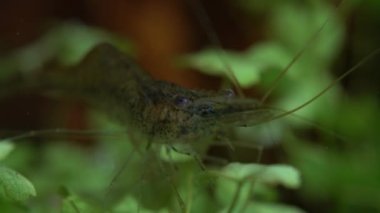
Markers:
(160, 113)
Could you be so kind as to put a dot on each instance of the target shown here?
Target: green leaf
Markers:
(263, 207)
(168, 154)
(66, 43)
(280, 174)
(5, 148)
(215, 62)
(73, 204)
(14, 186)
(130, 204)
(241, 180)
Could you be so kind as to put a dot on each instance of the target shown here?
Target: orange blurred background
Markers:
(160, 29)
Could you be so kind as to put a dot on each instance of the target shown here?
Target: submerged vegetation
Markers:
(322, 157)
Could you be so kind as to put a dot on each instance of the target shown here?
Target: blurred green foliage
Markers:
(339, 171)
(14, 186)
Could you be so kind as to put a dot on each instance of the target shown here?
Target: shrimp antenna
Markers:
(308, 44)
(206, 24)
(36, 133)
(332, 84)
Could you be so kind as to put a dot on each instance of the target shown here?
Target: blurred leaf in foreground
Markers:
(6, 147)
(239, 183)
(14, 186)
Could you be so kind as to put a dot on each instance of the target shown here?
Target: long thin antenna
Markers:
(296, 57)
(35, 133)
(206, 24)
(332, 84)
(118, 174)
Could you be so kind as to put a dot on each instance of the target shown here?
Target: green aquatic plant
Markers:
(150, 172)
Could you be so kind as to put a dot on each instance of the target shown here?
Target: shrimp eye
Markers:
(181, 101)
(228, 93)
